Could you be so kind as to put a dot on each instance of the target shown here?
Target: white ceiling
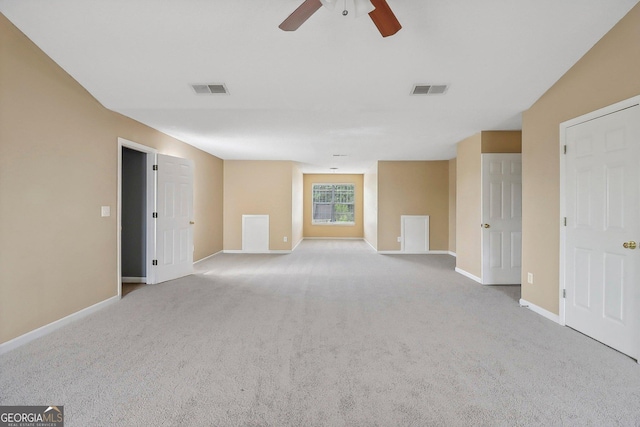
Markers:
(335, 86)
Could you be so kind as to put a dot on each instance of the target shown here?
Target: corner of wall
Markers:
(370, 215)
(452, 205)
(468, 205)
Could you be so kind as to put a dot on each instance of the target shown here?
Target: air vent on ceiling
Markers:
(210, 89)
(429, 89)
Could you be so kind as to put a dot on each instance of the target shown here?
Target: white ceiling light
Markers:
(360, 7)
(329, 4)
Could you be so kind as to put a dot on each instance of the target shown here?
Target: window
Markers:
(333, 204)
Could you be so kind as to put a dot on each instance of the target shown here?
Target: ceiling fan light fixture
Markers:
(329, 4)
(378, 10)
(363, 7)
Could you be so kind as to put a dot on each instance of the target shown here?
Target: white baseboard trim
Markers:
(333, 238)
(134, 280)
(469, 275)
(369, 243)
(240, 251)
(539, 310)
(413, 253)
(297, 244)
(453, 254)
(47, 329)
(207, 257)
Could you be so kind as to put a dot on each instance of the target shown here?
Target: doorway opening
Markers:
(136, 204)
(134, 218)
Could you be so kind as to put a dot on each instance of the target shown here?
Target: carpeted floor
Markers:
(331, 335)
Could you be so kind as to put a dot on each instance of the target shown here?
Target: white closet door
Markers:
(602, 188)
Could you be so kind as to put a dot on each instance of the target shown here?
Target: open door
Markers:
(174, 224)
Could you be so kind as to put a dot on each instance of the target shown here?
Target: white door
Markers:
(602, 205)
(415, 233)
(501, 218)
(255, 233)
(174, 226)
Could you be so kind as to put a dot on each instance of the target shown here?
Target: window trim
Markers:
(334, 224)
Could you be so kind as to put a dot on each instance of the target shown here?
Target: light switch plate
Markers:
(105, 211)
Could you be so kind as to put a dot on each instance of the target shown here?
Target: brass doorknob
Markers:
(630, 245)
(191, 222)
(487, 226)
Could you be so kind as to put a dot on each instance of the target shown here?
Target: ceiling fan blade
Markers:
(384, 18)
(300, 15)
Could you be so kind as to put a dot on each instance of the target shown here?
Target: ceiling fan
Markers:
(378, 10)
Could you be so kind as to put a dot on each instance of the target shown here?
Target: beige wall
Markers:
(371, 206)
(58, 165)
(468, 205)
(297, 207)
(502, 141)
(342, 231)
(254, 187)
(452, 205)
(467, 234)
(207, 186)
(413, 188)
(608, 73)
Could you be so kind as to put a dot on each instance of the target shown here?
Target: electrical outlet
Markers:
(399, 239)
(105, 211)
(285, 239)
(530, 278)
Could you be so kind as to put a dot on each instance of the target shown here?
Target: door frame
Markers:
(610, 109)
(151, 154)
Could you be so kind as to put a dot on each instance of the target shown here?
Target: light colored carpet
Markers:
(331, 335)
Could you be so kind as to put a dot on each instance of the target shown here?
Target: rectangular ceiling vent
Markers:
(429, 89)
(210, 89)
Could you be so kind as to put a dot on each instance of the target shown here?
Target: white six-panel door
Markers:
(602, 205)
(501, 218)
(174, 225)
